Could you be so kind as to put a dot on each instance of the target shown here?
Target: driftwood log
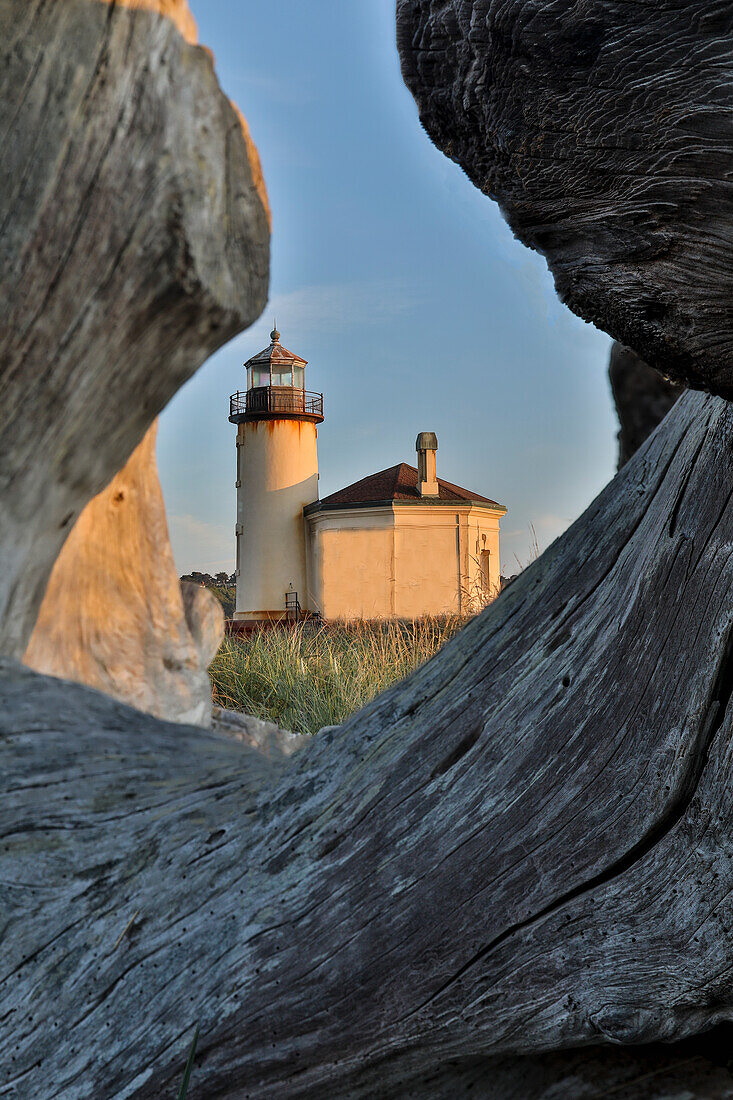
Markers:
(524, 848)
(134, 241)
(642, 397)
(115, 615)
(603, 129)
(604, 133)
(507, 875)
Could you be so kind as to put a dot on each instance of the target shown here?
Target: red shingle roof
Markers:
(399, 483)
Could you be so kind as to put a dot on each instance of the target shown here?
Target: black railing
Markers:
(275, 399)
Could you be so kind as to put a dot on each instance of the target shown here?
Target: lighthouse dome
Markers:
(276, 366)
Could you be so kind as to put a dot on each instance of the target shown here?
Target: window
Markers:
(260, 377)
(282, 376)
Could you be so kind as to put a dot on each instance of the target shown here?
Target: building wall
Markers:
(277, 475)
(428, 561)
(352, 563)
(481, 533)
(402, 561)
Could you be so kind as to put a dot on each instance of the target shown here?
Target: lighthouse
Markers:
(277, 476)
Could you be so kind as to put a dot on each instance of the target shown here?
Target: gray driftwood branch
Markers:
(134, 241)
(524, 848)
(512, 871)
(603, 131)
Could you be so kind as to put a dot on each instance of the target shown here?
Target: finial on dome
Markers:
(275, 335)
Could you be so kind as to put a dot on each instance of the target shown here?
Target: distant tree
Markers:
(221, 580)
(194, 577)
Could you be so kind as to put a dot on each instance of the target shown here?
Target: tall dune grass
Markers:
(311, 676)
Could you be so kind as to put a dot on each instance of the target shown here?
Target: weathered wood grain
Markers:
(115, 616)
(525, 848)
(513, 864)
(604, 130)
(134, 241)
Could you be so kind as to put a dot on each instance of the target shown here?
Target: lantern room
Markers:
(276, 387)
(276, 366)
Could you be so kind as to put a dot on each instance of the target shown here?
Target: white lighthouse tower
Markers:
(277, 475)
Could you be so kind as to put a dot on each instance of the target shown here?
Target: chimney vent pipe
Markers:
(426, 446)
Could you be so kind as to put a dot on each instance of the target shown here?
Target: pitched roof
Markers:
(275, 353)
(400, 483)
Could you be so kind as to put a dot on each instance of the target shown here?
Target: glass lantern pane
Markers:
(282, 376)
(299, 378)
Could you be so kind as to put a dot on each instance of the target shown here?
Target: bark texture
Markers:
(525, 848)
(134, 241)
(521, 855)
(115, 615)
(603, 129)
(642, 396)
(257, 733)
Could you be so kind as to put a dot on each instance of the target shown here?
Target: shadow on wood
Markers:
(642, 396)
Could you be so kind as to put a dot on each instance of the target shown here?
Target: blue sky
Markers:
(399, 283)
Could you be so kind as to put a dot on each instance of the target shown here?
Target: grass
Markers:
(183, 1091)
(311, 676)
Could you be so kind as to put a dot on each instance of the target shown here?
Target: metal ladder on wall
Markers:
(292, 606)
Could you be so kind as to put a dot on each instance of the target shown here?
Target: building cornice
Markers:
(424, 502)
